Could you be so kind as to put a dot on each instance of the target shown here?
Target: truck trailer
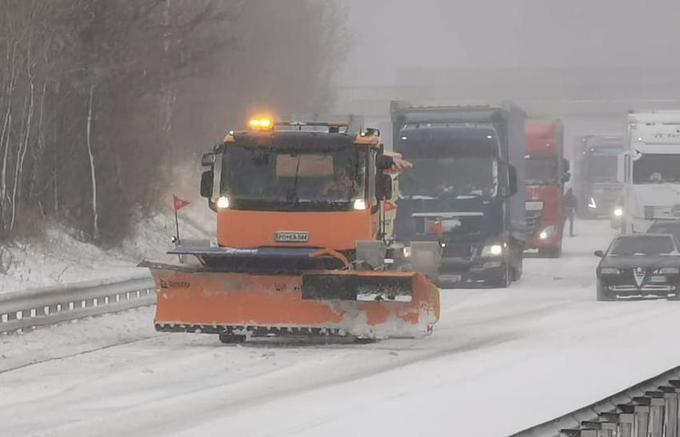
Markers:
(466, 188)
(650, 170)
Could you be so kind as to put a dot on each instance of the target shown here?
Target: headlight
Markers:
(359, 204)
(592, 204)
(618, 212)
(547, 232)
(610, 271)
(667, 271)
(407, 252)
(492, 250)
(223, 202)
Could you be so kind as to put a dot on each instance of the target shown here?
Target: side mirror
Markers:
(384, 188)
(599, 254)
(566, 177)
(567, 165)
(207, 184)
(384, 162)
(512, 181)
(208, 160)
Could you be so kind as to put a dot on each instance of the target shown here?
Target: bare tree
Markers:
(155, 82)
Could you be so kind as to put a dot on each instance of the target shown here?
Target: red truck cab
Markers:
(546, 172)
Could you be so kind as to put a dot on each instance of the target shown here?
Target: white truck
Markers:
(649, 169)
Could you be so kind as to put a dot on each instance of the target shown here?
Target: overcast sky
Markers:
(389, 34)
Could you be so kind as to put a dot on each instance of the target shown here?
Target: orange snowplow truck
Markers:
(301, 243)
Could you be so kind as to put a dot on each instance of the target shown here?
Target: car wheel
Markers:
(602, 294)
(677, 294)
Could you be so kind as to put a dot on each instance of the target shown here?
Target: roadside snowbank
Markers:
(59, 257)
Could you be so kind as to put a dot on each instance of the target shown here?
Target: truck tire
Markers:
(228, 338)
(602, 294)
(506, 280)
(518, 270)
(555, 252)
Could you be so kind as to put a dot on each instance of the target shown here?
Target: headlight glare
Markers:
(610, 271)
(223, 202)
(547, 232)
(359, 204)
(491, 250)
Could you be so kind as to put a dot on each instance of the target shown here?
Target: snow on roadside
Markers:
(59, 257)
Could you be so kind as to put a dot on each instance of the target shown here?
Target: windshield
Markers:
(265, 176)
(465, 176)
(602, 168)
(647, 245)
(665, 228)
(540, 170)
(656, 169)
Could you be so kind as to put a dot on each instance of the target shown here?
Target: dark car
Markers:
(641, 265)
(666, 227)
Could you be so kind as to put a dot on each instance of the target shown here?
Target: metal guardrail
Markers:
(26, 309)
(648, 409)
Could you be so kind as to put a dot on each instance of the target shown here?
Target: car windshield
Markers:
(290, 177)
(464, 176)
(656, 169)
(642, 245)
(541, 170)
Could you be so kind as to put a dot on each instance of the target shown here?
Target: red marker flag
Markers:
(179, 203)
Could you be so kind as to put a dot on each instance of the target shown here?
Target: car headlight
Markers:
(618, 212)
(491, 250)
(407, 251)
(547, 232)
(592, 204)
(223, 202)
(667, 271)
(610, 271)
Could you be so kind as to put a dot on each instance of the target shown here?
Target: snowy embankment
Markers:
(59, 257)
(499, 361)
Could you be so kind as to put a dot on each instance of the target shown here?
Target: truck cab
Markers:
(546, 172)
(301, 242)
(595, 183)
(650, 170)
(463, 190)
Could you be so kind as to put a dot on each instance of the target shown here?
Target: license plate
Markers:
(291, 237)
(450, 278)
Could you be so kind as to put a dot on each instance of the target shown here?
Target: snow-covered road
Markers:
(499, 361)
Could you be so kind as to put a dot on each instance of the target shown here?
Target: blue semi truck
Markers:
(465, 190)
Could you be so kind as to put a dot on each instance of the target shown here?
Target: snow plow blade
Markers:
(353, 303)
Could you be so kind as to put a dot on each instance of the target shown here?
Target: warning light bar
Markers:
(261, 123)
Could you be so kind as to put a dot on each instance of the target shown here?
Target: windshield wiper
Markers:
(293, 194)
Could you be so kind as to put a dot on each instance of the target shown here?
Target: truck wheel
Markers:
(602, 294)
(550, 253)
(506, 280)
(228, 338)
(516, 272)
